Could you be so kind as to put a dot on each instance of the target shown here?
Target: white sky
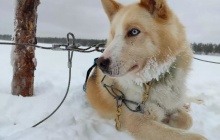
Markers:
(86, 18)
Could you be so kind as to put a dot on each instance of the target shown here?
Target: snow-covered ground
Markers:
(76, 120)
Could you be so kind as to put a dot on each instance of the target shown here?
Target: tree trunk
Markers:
(23, 57)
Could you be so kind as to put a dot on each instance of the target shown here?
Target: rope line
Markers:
(77, 48)
(26, 44)
(206, 61)
(70, 57)
(70, 46)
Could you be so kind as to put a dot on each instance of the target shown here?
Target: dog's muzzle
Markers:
(103, 64)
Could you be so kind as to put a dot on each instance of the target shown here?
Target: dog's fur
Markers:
(161, 53)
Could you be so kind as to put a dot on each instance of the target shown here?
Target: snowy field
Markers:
(76, 120)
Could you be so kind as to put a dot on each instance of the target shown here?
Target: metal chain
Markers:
(118, 114)
(147, 87)
(120, 98)
(117, 118)
(119, 95)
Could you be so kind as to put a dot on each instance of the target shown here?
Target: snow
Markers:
(153, 71)
(76, 120)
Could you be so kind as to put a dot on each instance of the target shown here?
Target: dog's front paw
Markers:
(180, 119)
(192, 136)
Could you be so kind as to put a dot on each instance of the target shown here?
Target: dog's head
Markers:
(140, 33)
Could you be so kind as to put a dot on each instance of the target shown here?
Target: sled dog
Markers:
(140, 77)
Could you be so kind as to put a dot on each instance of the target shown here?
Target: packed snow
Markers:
(76, 120)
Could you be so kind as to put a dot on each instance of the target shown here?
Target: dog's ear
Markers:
(157, 8)
(111, 7)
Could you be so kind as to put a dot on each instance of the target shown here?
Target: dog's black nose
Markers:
(103, 63)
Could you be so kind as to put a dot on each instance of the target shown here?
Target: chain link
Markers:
(145, 96)
(117, 118)
(147, 87)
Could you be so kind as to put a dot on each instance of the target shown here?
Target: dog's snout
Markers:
(103, 63)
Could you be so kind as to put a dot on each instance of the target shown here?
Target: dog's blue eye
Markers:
(133, 32)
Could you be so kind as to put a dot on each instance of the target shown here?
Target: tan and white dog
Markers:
(147, 44)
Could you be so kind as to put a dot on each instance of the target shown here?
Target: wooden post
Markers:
(23, 57)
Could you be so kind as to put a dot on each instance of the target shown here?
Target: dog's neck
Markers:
(132, 86)
(151, 72)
